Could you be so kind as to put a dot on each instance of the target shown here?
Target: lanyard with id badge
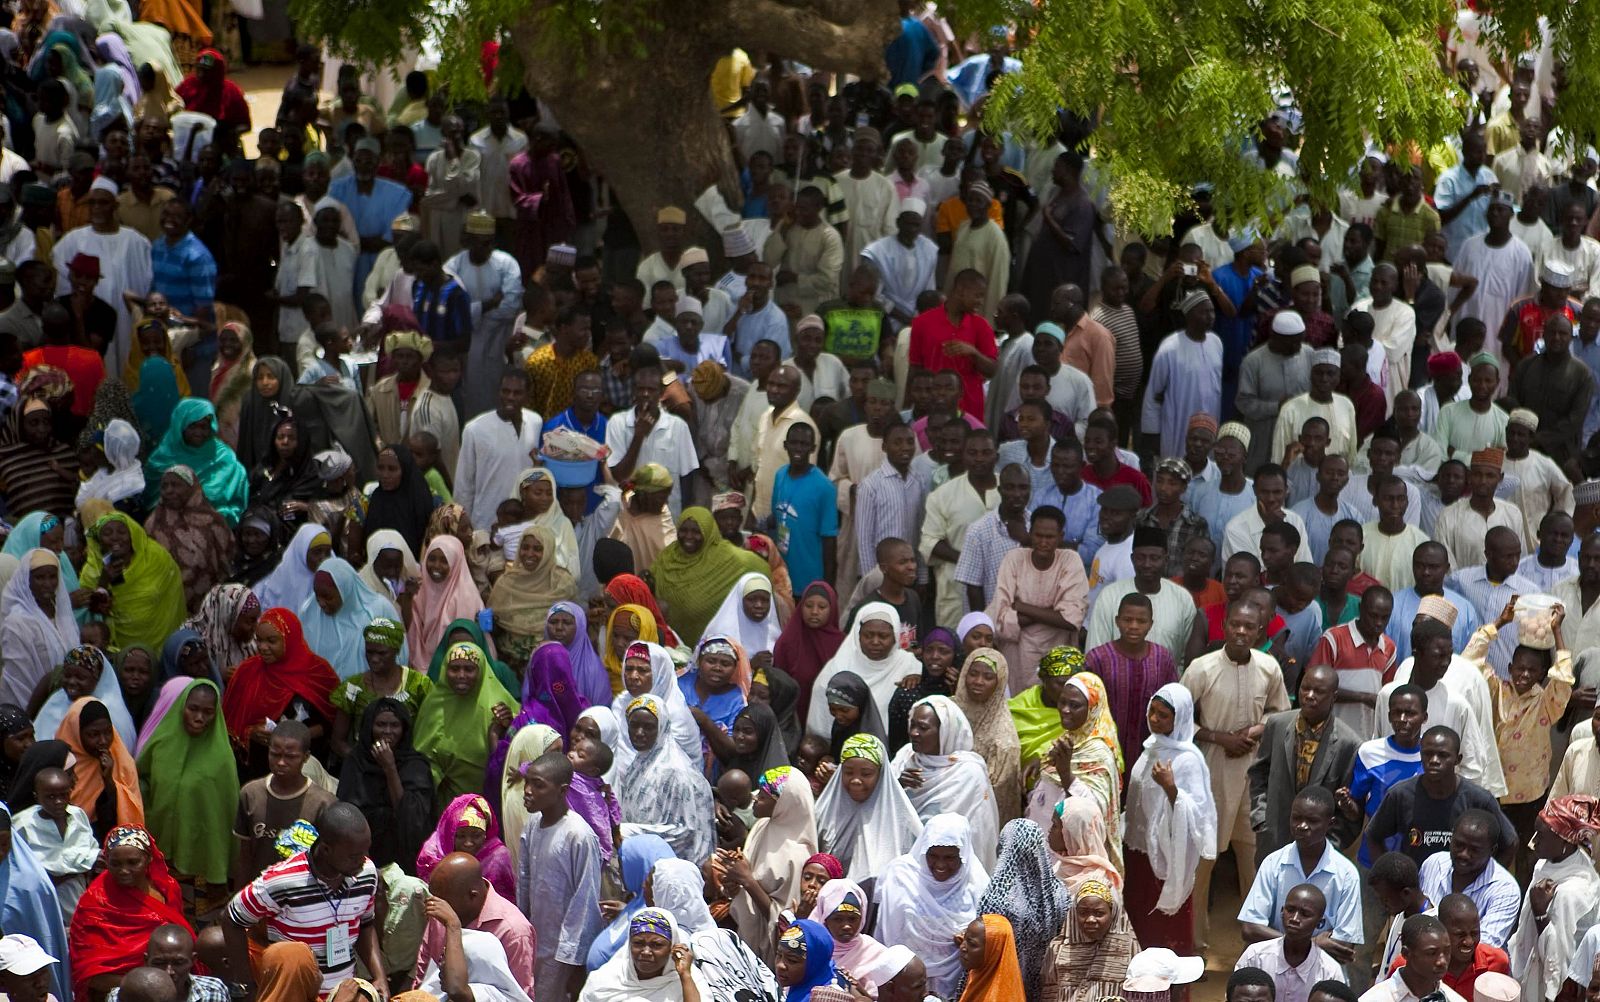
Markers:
(337, 951)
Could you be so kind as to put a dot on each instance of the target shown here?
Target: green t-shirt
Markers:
(852, 332)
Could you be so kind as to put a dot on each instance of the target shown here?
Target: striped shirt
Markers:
(987, 544)
(299, 907)
(888, 504)
(1123, 324)
(184, 272)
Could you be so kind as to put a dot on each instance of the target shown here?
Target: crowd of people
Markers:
(898, 582)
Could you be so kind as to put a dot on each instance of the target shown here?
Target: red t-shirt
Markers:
(930, 331)
(1214, 615)
(1485, 958)
(84, 365)
(1125, 475)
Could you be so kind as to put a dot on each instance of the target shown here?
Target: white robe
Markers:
(124, 267)
(1185, 380)
(1395, 332)
(903, 272)
(873, 206)
(493, 454)
(491, 329)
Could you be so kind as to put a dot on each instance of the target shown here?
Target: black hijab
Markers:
(406, 508)
(51, 754)
(299, 478)
(770, 751)
(783, 696)
(13, 720)
(847, 689)
(397, 832)
(248, 570)
(258, 416)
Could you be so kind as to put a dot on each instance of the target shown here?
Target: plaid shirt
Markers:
(987, 544)
(1185, 528)
(445, 313)
(184, 272)
(618, 390)
(9, 397)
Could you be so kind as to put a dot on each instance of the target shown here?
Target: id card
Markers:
(337, 946)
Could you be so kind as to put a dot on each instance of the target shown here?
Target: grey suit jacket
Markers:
(1272, 778)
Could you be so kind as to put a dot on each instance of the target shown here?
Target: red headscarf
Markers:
(630, 589)
(802, 651)
(259, 691)
(1574, 818)
(220, 97)
(112, 925)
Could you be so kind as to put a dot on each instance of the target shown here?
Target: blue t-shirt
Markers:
(1380, 764)
(805, 509)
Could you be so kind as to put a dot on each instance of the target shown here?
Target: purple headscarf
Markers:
(590, 799)
(166, 699)
(549, 697)
(587, 672)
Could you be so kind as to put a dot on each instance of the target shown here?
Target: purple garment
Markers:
(494, 858)
(591, 799)
(166, 699)
(588, 673)
(549, 697)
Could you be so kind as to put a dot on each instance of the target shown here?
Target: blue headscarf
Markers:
(172, 653)
(110, 103)
(222, 478)
(155, 399)
(28, 905)
(341, 637)
(814, 938)
(25, 536)
(638, 856)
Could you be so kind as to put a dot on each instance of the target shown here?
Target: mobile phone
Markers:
(1191, 270)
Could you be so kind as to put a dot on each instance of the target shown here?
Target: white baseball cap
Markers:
(1161, 964)
(22, 955)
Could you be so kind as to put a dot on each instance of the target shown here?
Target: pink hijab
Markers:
(1083, 832)
(439, 603)
(166, 699)
(494, 857)
(861, 953)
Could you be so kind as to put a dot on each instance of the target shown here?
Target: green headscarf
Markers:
(501, 671)
(1037, 725)
(453, 730)
(191, 790)
(147, 605)
(692, 586)
(222, 479)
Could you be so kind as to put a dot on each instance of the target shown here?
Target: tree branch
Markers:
(827, 34)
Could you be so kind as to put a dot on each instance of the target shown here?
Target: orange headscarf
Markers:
(88, 783)
(999, 979)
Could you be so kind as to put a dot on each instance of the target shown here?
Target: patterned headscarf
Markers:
(862, 746)
(1099, 724)
(131, 836)
(1061, 662)
(652, 920)
(1026, 891)
(830, 864)
(297, 838)
(1574, 818)
(773, 779)
(386, 632)
(1096, 889)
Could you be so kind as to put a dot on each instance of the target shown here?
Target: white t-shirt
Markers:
(670, 444)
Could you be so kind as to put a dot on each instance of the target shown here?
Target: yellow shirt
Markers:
(729, 78)
(1522, 723)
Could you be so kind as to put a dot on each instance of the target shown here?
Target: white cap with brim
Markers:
(22, 955)
(1162, 964)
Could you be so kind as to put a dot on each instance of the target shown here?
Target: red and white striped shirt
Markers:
(300, 908)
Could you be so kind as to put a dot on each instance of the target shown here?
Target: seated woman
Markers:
(191, 440)
(662, 786)
(873, 652)
(192, 531)
(853, 710)
(1024, 891)
(943, 775)
(135, 583)
(191, 785)
(392, 570)
(536, 489)
(805, 961)
(929, 891)
(390, 782)
(467, 631)
(989, 957)
(150, 340)
(385, 678)
(549, 698)
(337, 613)
(656, 964)
(863, 816)
(841, 907)
(285, 678)
(1088, 959)
(117, 475)
(523, 595)
(111, 929)
(462, 720)
(716, 689)
(288, 584)
(755, 744)
(766, 881)
(938, 678)
(626, 625)
(468, 825)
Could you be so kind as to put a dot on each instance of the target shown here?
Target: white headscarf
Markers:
(954, 781)
(107, 690)
(664, 686)
(610, 734)
(880, 676)
(664, 789)
(925, 914)
(389, 539)
(733, 622)
(290, 582)
(32, 642)
(867, 837)
(1175, 836)
(677, 886)
(778, 847)
(617, 981)
(488, 971)
(125, 479)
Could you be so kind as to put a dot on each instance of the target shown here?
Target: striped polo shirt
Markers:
(301, 908)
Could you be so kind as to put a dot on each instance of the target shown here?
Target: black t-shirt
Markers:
(1424, 823)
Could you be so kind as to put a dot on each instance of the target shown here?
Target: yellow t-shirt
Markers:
(729, 78)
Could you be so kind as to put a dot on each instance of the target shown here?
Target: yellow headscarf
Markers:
(647, 634)
(1098, 725)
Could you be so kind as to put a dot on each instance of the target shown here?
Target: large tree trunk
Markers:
(646, 121)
